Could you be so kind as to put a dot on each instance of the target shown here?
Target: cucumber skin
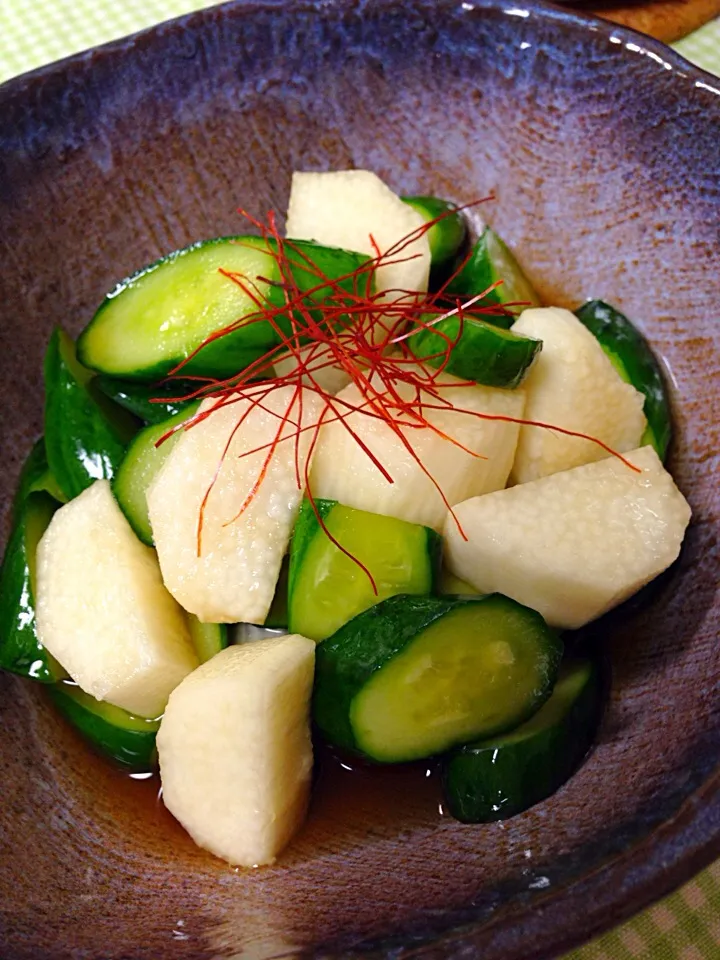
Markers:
(619, 338)
(308, 527)
(489, 781)
(207, 638)
(346, 660)
(242, 353)
(233, 352)
(135, 397)
(134, 750)
(20, 649)
(82, 426)
(134, 455)
(277, 618)
(481, 352)
(445, 237)
(478, 274)
(35, 477)
(451, 586)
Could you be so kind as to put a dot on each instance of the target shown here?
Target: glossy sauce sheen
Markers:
(352, 801)
(347, 796)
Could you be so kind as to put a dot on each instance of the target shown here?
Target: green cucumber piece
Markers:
(500, 777)
(20, 649)
(414, 676)
(157, 318)
(86, 434)
(36, 477)
(207, 638)
(472, 349)
(138, 397)
(490, 260)
(326, 588)
(451, 585)
(635, 362)
(445, 237)
(277, 617)
(128, 740)
(141, 465)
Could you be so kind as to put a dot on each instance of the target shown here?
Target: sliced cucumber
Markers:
(489, 261)
(445, 237)
(499, 777)
(141, 465)
(454, 586)
(36, 477)
(86, 434)
(635, 362)
(471, 349)
(326, 588)
(277, 617)
(207, 638)
(128, 740)
(20, 649)
(160, 316)
(415, 676)
(152, 402)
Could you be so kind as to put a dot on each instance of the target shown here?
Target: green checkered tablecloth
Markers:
(35, 32)
(703, 47)
(684, 926)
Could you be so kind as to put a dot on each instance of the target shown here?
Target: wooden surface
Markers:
(668, 20)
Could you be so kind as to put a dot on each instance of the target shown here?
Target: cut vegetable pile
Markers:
(347, 484)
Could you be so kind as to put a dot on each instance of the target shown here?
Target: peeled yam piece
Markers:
(102, 609)
(233, 579)
(315, 358)
(576, 544)
(343, 471)
(346, 208)
(572, 384)
(235, 749)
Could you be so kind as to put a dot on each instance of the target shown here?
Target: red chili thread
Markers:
(337, 318)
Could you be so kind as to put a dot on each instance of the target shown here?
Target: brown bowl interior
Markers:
(604, 166)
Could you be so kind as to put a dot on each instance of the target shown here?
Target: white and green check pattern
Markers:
(703, 47)
(35, 32)
(684, 926)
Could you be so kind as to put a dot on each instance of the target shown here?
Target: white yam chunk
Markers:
(575, 544)
(342, 470)
(102, 609)
(233, 579)
(315, 358)
(349, 207)
(572, 384)
(235, 749)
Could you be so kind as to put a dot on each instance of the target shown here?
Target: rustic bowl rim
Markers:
(679, 847)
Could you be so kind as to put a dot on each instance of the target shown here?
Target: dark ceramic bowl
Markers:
(603, 150)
